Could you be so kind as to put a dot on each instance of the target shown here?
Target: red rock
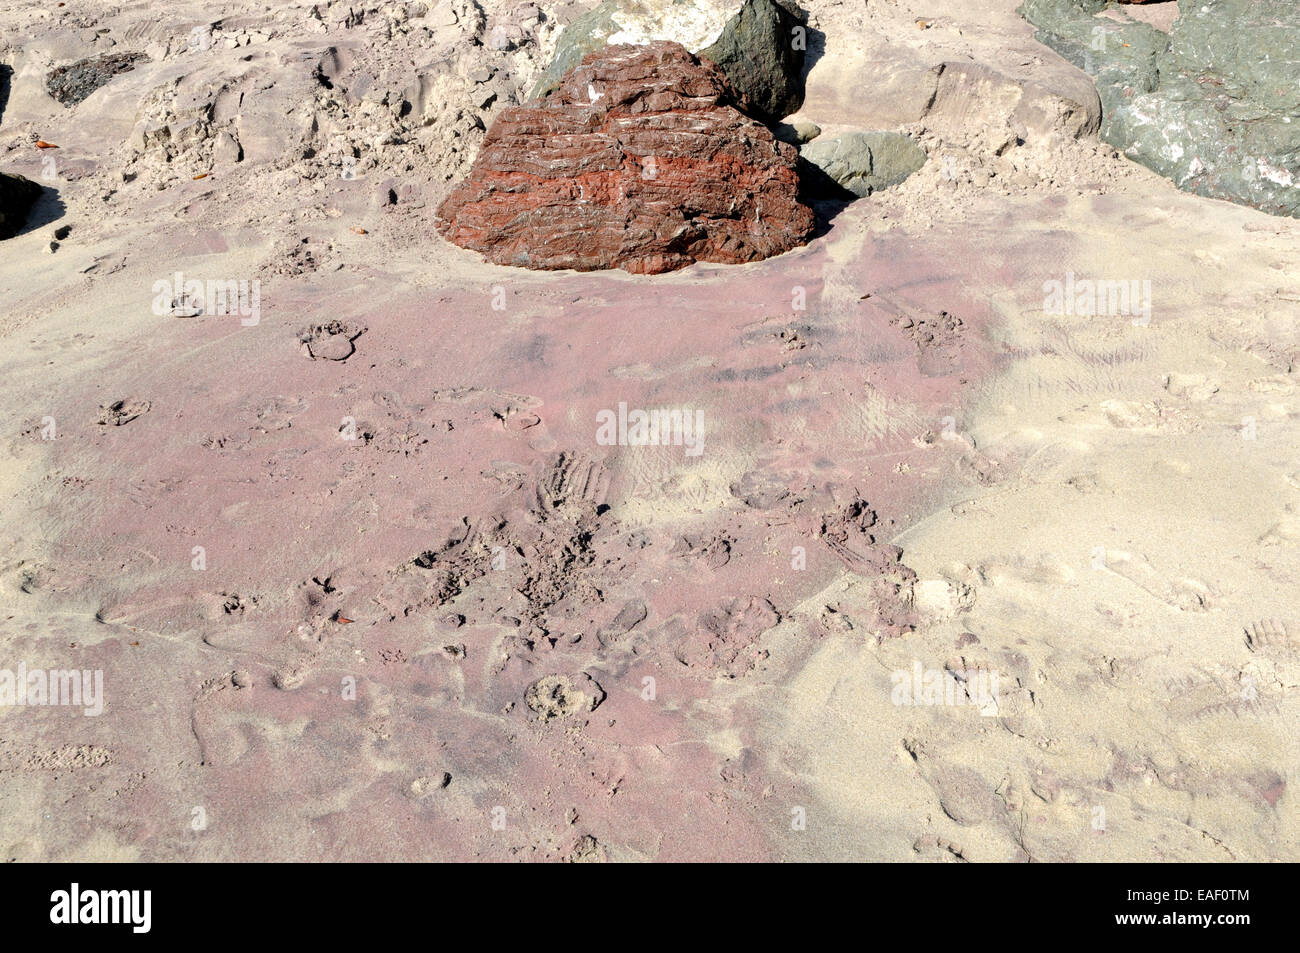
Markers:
(639, 160)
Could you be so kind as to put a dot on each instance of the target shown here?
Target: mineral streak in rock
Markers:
(640, 160)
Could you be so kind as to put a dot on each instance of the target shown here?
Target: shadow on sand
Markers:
(6, 82)
(46, 209)
(817, 190)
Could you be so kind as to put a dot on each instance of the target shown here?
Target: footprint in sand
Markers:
(937, 850)
(517, 414)
(724, 642)
(332, 341)
(318, 597)
(122, 411)
(938, 600)
(1194, 387)
(1128, 415)
(1270, 635)
(1215, 694)
(217, 721)
(277, 413)
(162, 616)
(571, 480)
(1284, 532)
(225, 605)
(1277, 384)
(629, 617)
(965, 796)
(1184, 594)
(1020, 572)
(559, 696)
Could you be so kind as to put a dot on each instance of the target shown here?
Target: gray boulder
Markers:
(862, 162)
(758, 44)
(17, 196)
(1214, 105)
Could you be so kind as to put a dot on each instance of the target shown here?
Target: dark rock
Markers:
(762, 54)
(17, 196)
(73, 83)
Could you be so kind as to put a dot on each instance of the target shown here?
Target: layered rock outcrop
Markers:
(759, 44)
(640, 160)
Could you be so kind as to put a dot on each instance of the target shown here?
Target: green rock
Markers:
(758, 44)
(797, 133)
(1214, 105)
(17, 196)
(862, 162)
